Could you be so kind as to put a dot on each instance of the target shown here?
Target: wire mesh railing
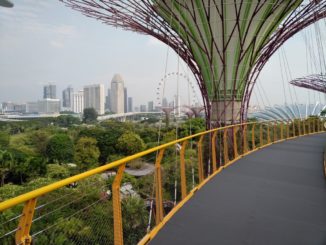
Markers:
(100, 207)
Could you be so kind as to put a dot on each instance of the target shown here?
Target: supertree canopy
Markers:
(225, 43)
(315, 82)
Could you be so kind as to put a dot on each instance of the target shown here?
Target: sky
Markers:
(45, 41)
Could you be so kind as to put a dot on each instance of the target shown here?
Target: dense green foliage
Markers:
(89, 115)
(39, 152)
(60, 149)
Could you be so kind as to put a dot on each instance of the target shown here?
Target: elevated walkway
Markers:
(272, 196)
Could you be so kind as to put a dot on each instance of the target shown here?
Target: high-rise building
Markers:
(150, 106)
(177, 104)
(130, 106)
(165, 102)
(108, 101)
(50, 91)
(142, 108)
(117, 94)
(94, 97)
(125, 100)
(77, 101)
(67, 97)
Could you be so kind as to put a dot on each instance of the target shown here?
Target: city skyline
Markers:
(53, 44)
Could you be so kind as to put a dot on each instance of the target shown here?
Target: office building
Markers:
(150, 106)
(94, 97)
(142, 108)
(117, 94)
(130, 106)
(77, 101)
(67, 97)
(48, 106)
(125, 100)
(108, 101)
(50, 91)
(165, 102)
(32, 107)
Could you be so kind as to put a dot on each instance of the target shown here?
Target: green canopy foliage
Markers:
(60, 149)
(130, 143)
(89, 115)
(87, 152)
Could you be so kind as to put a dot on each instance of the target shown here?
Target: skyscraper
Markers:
(67, 97)
(117, 94)
(125, 100)
(130, 106)
(77, 101)
(50, 91)
(94, 97)
(108, 101)
(150, 106)
(165, 102)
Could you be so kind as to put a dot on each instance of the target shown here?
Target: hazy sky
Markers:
(44, 41)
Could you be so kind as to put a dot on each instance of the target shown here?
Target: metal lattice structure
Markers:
(225, 43)
(315, 82)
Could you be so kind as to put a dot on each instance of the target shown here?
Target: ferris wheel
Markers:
(183, 79)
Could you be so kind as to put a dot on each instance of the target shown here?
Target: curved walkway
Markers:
(276, 195)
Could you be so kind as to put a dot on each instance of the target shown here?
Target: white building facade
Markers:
(77, 101)
(117, 94)
(94, 97)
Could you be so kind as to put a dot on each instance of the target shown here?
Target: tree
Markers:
(86, 153)
(56, 171)
(6, 163)
(130, 143)
(89, 115)
(66, 120)
(60, 149)
(4, 139)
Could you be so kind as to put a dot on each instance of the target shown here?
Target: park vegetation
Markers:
(39, 152)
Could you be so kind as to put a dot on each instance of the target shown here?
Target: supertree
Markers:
(315, 82)
(225, 43)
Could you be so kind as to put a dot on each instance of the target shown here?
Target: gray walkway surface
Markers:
(276, 195)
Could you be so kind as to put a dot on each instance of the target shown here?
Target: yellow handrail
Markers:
(229, 156)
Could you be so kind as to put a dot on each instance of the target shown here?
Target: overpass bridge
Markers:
(257, 183)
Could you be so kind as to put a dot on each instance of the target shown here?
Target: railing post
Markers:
(214, 151)
(200, 159)
(318, 124)
(299, 127)
(158, 188)
(22, 235)
(116, 202)
(275, 132)
(313, 125)
(268, 135)
(304, 127)
(235, 143)
(225, 146)
(261, 140)
(309, 127)
(253, 136)
(183, 170)
(245, 140)
(281, 131)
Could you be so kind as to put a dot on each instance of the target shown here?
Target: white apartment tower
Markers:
(77, 101)
(117, 94)
(94, 97)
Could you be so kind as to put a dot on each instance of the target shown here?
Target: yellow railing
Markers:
(218, 148)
